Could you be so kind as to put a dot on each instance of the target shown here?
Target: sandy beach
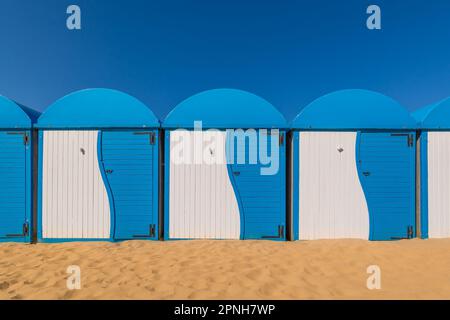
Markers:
(337, 269)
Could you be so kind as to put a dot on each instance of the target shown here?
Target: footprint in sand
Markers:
(150, 289)
(4, 285)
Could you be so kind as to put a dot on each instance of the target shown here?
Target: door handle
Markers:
(236, 173)
(109, 171)
(366, 173)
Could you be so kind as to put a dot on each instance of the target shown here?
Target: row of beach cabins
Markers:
(224, 164)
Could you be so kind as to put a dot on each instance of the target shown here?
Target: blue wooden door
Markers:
(14, 224)
(386, 165)
(130, 164)
(260, 193)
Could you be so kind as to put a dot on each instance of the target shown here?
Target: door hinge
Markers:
(152, 136)
(410, 232)
(25, 232)
(152, 230)
(26, 139)
(279, 236)
(151, 233)
(410, 140)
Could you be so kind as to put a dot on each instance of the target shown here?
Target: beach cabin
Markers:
(98, 168)
(434, 145)
(353, 168)
(16, 171)
(225, 168)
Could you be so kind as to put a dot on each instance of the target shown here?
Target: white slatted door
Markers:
(331, 198)
(202, 203)
(75, 203)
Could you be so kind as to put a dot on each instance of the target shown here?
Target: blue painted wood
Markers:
(224, 109)
(434, 117)
(261, 198)
(352, 110)
(16, 116)
(386, 167)
(97, 108)
(130, 164)
(15, 186)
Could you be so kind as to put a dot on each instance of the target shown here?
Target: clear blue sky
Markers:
(289, 52)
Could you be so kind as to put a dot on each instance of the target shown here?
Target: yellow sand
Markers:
(227, 270)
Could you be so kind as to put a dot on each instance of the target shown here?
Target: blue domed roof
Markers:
(98, 108)
(225, 108)
(353, 109)
(16, 116)
(434, 116)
